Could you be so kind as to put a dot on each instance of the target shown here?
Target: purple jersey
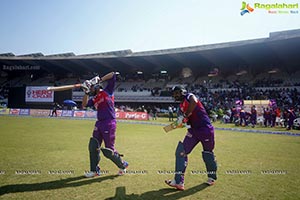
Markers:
(199, 117)
(104, 101)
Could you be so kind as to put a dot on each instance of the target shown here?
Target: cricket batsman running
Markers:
(105, 126)
(201, 131)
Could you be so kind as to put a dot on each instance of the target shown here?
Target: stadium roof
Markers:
(279, 50)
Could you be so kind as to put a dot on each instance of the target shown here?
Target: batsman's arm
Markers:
(107, 76)
(85, 100)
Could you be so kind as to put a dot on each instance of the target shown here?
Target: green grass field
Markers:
(55, 152)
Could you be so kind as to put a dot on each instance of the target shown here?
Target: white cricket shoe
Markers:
(123, 171)
(210, 181)
(91, 174)
(172, 183)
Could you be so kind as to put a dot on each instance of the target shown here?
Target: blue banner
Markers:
(67, 113)
(24, 112)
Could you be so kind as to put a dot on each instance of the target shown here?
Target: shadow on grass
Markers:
(166, 193)
(57, 184)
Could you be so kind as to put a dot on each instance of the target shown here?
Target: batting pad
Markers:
(210, 163)
(94, 153)
(113, 156)
(180, 163)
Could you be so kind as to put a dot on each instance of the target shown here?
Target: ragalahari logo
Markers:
(246, 8)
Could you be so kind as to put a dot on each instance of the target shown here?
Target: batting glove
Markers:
(86, 86)
(182, 121)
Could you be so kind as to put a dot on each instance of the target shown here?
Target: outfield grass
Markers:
(251, 166)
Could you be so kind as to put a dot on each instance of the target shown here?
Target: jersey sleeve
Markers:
(187, 97)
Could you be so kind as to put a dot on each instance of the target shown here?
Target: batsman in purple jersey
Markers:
(105, 126)
(201, 131)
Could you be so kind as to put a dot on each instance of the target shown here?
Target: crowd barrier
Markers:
(70, 113)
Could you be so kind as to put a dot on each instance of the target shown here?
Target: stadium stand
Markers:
(261, 68)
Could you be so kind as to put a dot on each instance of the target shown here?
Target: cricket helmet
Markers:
(178, 92)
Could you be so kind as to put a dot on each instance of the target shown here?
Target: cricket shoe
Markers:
(172, 183)
(92, 174)
(123, 171)
(210, 181)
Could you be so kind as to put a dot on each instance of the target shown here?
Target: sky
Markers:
(95, 26)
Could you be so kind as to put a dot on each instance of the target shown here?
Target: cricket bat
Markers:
(172, 126)
(64, 87)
